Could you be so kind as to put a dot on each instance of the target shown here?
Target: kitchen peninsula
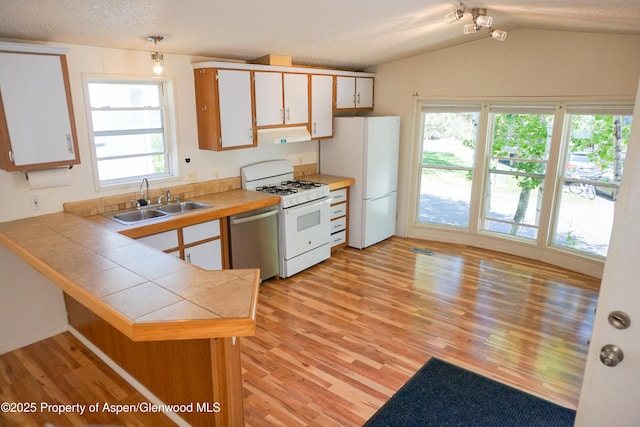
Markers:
(174, 327)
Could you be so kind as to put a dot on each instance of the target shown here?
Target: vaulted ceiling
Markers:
(347, 34)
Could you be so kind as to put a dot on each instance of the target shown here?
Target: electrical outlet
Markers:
(193, 177)
(34, 199)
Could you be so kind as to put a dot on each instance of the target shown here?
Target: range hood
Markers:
(283, 135)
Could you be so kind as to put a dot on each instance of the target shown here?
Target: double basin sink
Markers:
(155, 212)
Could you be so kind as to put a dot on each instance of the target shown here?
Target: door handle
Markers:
(254, 218)
(611, 355)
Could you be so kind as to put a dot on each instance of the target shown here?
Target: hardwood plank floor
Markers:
(334, 342)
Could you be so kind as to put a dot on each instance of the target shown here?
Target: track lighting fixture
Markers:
(157, 57)
(455, 15)
(480, 20)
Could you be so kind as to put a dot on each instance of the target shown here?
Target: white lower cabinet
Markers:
(205, 255)
(201, 244)
(339, 216)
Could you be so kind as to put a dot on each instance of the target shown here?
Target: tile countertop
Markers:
(144, 293)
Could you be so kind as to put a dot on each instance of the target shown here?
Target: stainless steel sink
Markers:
(180, 207)
(130, 217)
(155, 212)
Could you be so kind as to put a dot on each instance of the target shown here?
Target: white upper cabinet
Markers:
(236, 117)
(37, 128)
(224, 108)
(321, 106)
(268, 98)
(281, 98)
(354, 93)
(296, 98)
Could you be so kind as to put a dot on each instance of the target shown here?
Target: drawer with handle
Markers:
(338, 224)
(338, 238)
(338, 210)
(339, 195)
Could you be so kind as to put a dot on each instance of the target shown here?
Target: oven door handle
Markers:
(254, 217)
(301, 208)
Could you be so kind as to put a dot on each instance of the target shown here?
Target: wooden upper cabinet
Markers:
(354, 93)
(281, 98)
(37, 125)
(224, 109)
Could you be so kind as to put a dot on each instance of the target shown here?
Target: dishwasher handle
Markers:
(236, 221)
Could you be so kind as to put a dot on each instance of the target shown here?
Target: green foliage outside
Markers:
(525, 138)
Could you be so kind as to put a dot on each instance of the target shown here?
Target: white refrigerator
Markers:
(366, 149)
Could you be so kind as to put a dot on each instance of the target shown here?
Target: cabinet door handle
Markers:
(288, 115)
(204, 108)
(358, 99)
(315, 128)
(69, 144)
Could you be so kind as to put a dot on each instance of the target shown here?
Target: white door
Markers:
(268, 98)
(36, 109)
(236, 119)
(206, 255)
(379, 219)
(609, 395)
(321, 106)
(306, 227)
(345, 92)
(296, 99)
(382, 156)
(364, 92)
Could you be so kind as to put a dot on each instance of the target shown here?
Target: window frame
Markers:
(542, 249)
(494, 109)
(168, 116)
(440, 108)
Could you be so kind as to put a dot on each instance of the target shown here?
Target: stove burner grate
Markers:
(279, 190)
(305, 185)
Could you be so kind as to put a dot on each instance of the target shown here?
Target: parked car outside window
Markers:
(579, 166)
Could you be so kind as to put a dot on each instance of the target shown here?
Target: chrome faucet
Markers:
(166, 196)
(142, 193)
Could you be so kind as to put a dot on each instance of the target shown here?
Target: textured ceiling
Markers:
(348, 34)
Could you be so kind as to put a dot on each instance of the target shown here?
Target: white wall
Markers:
(204, 165)
(530, 63)
(31, 307)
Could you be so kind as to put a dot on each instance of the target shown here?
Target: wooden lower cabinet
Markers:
(204, 372)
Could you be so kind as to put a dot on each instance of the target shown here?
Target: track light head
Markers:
(498, 34)
(480, 20)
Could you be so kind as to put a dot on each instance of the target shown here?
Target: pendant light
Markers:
(157, 57)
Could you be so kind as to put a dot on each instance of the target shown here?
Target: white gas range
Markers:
(304, 217)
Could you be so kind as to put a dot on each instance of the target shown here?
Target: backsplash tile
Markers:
(109, 204)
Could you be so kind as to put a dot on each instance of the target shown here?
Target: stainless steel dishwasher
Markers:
(253, 241)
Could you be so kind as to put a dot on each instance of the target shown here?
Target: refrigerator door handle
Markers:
(384, 196)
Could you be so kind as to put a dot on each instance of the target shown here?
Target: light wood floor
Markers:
(334, 342)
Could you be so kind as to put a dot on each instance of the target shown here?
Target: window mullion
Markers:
(124, 132)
